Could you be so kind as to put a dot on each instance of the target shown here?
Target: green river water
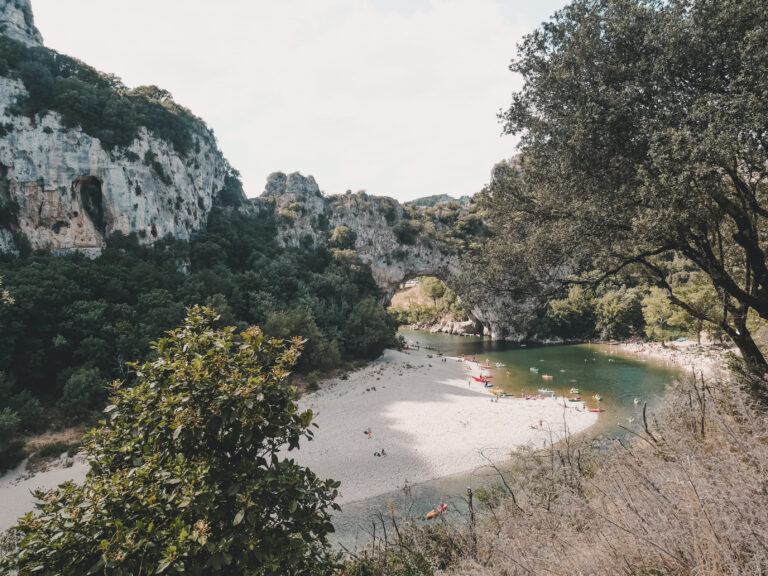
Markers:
(617, 377)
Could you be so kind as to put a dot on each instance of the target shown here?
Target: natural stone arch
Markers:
(298, 203)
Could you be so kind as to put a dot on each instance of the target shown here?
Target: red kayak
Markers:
(485, 367)
(481, 378)
(597, 410)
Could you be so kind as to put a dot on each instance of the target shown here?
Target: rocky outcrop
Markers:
(17, 22)
(69, 193)
(61, 189)
(308, 218)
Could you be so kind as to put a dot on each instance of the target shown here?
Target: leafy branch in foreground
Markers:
(188, 472)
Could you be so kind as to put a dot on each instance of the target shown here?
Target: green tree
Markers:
(11, 451)
(318, 351)
(618, 313)
(433, 288)
(188, 471)
(574, 316)
(657, 311)
(642, 135)
(342, 238)
(84, 390)
(702, 299)
(368, 330)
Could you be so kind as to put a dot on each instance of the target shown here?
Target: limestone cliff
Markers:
(17, 22)
(62, 189)
(308, 218)
(71, 193)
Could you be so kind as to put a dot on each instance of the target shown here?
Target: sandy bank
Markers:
(705, 359)
(16, 486)
(426, 417)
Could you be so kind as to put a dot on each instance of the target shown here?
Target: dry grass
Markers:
(407, 296)
(689, 496)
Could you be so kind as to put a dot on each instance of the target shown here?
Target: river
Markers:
(593, 368)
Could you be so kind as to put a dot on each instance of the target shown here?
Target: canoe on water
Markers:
(597, 409)
(482, 378)
(546, 377)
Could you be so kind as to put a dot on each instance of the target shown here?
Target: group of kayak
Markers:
(485, 379)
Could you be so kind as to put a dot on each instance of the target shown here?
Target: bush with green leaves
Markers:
(100, 104)
(343, 238)
(75, 313)
(84, 390)
(189, 472)
(369, 329)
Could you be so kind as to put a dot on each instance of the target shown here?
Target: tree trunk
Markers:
(753, 358)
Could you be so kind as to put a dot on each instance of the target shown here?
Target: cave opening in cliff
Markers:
(427, 303)
(92, 200)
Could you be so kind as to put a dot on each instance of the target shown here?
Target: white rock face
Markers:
(308, 218)
(72, 194)
(17, 22)
(303, 208)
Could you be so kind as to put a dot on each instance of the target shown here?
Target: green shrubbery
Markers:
(97, 102)
(188, 471)
(76, 321)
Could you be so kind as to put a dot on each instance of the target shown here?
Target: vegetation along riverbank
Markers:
(203, 379)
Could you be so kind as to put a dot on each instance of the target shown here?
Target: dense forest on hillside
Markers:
(75, 321)
(98, 103)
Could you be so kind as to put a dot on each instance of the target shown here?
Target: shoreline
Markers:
(16, 485)
(430, 420)
(422, 411)
(704, 359)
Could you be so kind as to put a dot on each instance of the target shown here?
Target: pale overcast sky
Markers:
(396, 97)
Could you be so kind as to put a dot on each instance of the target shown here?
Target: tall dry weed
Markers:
(688, 494)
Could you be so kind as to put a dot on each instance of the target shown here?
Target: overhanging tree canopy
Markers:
(644, 133)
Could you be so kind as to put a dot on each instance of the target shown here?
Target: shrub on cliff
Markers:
(342, 238)
(98, 103)
(187, 471)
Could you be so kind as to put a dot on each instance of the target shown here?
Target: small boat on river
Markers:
(546, 377)
(575, 391)
(575, 399)
(534, 369)
(546, 391)
(597, 409)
